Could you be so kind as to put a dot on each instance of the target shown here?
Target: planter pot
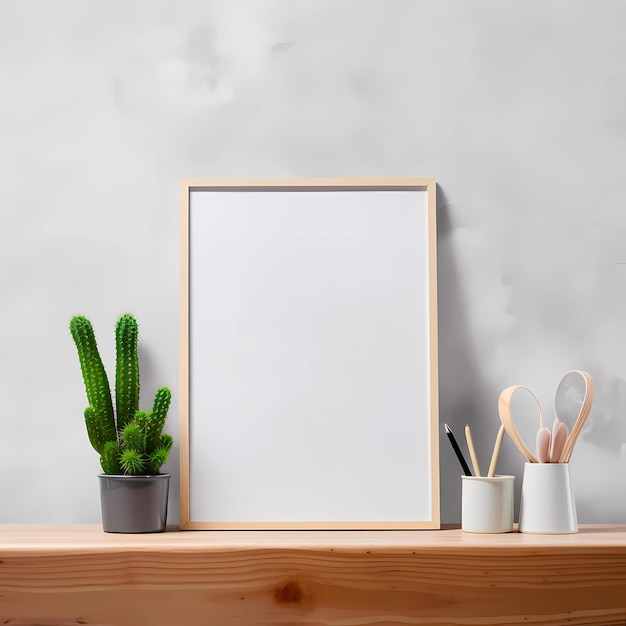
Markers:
(134, 504)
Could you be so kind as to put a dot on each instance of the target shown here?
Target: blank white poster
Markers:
(309, 356)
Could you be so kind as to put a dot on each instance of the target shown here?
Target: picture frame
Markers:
(309, 383)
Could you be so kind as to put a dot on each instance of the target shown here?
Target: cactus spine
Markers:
(128, 441)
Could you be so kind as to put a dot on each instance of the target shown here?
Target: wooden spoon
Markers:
(504, 408)
(583, 414)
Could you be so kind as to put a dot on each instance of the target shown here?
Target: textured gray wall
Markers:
(517, 108)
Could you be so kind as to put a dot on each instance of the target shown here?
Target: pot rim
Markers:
(136, 476)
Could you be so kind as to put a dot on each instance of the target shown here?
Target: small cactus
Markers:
(110, 459)
(129, 441)
(126, 370)
(99, 414)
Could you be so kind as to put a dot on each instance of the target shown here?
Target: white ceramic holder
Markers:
(548, 505)
(487, 504)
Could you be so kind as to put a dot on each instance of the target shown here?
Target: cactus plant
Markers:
(129, 441)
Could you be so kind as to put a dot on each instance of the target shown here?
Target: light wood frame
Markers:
(425, 185)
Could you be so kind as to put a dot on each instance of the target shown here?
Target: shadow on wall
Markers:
(459, 383)
(468, 393)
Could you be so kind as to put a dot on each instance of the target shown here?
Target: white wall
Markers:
(517, 108)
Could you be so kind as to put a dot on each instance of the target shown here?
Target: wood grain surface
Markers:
(69, 575)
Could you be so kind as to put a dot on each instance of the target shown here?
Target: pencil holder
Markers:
(548, 505)
(487, 504)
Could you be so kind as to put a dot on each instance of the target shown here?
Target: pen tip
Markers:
(447, 428)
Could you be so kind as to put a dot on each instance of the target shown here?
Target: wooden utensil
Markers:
(583, 414)
(504, 408)
(559, 436)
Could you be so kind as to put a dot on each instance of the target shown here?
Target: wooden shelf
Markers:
(69, 575)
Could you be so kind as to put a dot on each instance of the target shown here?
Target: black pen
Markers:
(457, 450)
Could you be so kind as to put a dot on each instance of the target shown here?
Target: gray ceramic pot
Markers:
(134, 504)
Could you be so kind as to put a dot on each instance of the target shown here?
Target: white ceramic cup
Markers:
(487, 504)
(548, 505)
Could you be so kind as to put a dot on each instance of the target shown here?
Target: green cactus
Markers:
(128, 440)
(156, 418)
(126, 370)
(99, 416)
(134, 462)
(134, 438)
(110, 459)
